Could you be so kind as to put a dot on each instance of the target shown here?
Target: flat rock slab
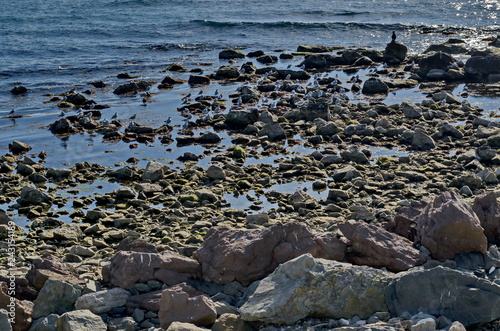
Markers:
(457, 295)
(307, 286)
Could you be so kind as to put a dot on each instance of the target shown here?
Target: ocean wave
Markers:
(174, 46)
(346, 26)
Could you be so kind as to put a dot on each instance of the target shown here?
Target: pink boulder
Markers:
(130, 267)
(50, 267)
(248, 255)
(375, 247)
(448, 226)
(487, 210)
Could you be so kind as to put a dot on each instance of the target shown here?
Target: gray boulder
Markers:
(33, 196)
(47, 323)
(422, 141)
(122, 324)
(56, 297)
(306, 286)
(81, 320)
(395, 53)
(483, 68)
(354, 154)
(458, 295)
(410, 110)
(374, 86)
(103, 301)
(154, 171)
(216, 173)
(437, 60)
(273, 131)
(242, 117)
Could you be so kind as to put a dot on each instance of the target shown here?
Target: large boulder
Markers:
(459, 296)
(133, 87)
(375, 247)
(316, 61)
(81, 320)
(33, 196)
(448, 226)
(56, 297)
(50, 267)
(374, 86)
(227, 72)
(248, 255)
(128, 268)
(242, 117)
(178, 305)
(437, 60)
(395, 53)
(483, 68)
(273, 131)
(103, 301)
(154, 171)
(306, 286)
(488, 211)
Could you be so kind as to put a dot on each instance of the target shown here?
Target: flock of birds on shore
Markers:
(308, 90)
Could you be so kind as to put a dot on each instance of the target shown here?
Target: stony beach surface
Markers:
(356, 214)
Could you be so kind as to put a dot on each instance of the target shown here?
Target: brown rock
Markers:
(137, 245)
(177, 305)
(128, 268)
(375, 247)
(147, 301)
(248, 255)
(330, 247)
(151, 300)
(488, 211)
(51, 267)
(448, 226)
(21, 309)
(404, 223)
(230, 322)
(23, 289)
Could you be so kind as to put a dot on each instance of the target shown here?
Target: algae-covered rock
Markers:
(306, 286)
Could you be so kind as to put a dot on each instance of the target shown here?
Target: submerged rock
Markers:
(306, 286)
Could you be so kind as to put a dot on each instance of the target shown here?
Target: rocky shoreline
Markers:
(383, 242)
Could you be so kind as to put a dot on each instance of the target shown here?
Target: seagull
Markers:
(61, 114)
(393, 36)
(105, 122)
(12, 112)
(302, 67)
(239, 102)
(242, 70)
(443, 102)
(187, 96)
(289, 66)
(132, 117)
(200, 93)
(188, 118)
(216, 92)
(169, 120)
(115, 115)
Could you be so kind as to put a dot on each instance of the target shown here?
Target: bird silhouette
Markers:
(393, 36)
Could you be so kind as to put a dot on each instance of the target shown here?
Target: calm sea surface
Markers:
(54, 45)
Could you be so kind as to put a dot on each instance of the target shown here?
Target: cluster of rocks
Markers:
(403, 242)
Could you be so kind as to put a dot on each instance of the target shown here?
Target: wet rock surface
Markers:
(286, 193)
